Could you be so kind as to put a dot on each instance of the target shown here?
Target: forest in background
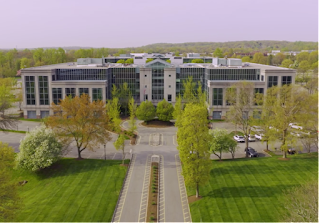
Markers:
(11, 61)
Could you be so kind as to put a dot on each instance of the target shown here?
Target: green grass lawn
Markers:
(251, 190)
(71, 191)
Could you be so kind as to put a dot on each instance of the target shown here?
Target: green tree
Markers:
(132, 111)
(24, 63)
(270, 60)
(164, 110)
(124, 97)
(220, 141)
(313, 57)
(241, 99)
(197, 60)
(7, 121)
(169, 61)
(282, 106)
(189, 90)
(193, 146)
(246, 59)
(149, 59)
(303, 56)
(218, 53)
(113, 109)
(178, 110)
(39, 149)
(286, 63)
(303, 69)
(129, 61)
(278, 58)
(10, 202)
(119, 144)
(121, 61)
(80, 120)
(259, 58)
(146, 111)
(301, 203)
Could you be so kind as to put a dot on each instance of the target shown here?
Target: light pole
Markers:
(105, 156)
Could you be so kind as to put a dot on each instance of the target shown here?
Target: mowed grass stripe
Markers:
(256, 186)
(57, 214)
(62, 196)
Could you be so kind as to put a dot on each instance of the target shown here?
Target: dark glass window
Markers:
(83, 90)
(272, 81)
(30, 91)
(286, 80)
(70, 92)
(56, 95)
(217, 97)
(96, 94)
(157, 83)
(43, 90)
(169, 98)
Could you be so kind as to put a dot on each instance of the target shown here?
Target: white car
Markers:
(295, 126)
(251, 138)
(239, 138)
(259, 136)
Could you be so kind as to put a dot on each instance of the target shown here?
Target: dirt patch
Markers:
(158, 124)
(133, 139)
(284, 159)
(193, 198)
(124, 165)
(152, 212)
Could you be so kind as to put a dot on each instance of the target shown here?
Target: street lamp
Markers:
(105, 156)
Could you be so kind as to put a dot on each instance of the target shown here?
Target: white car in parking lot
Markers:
(259, 136)
(295, 126)
(251, 138)
(239, 138)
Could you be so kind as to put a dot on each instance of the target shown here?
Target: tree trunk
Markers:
(220, 156)
(79, 154)
(267, 145)
(197, 191)
(283, 143)
(247, 145)
(123, 156)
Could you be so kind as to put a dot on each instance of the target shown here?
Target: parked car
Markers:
(291, 150)
(239, 138)
(259, 136)
(251, 138)
(251, 152)
(295, 126)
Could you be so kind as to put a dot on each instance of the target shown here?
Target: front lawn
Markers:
(71, 191)
(251, 190)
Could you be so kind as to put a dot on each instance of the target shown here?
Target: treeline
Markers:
(12, 61)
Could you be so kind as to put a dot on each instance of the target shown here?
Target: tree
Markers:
(218, 53)
(24, 63)
(193, 146)
(178, 110)
(303, 56)
(221, 142)
(301, 203)
(121, 61)
(278, 58)
(282, 106)
(149, 59)
(39, 149)
(119, 144)
(164, 110)
(77, 119)
(129, 61)
(286, 63)
(246, 59)
(313, 57)
(197, 60)
(113, 110)
(132, 111)
(10, 202)
(303, 69)
(241, 99)
(259, 58)
(19, 98)
(169, 61)
(146, 111)
(7, 121)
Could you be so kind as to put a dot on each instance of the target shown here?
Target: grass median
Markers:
(251, 190)
(71, 191)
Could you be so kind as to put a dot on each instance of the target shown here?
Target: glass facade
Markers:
(272, 81)
(96, 94)
(81, 74)
(56, 95)
(43, 90)
(217, 97)
(30, 90)
(233, 74)
(70, 92)
(83, 90)
(184, 73)
(157, 83)
(286, 80)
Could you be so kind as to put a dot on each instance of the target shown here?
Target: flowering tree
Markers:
(39, 149)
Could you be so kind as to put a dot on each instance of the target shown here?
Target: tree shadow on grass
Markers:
(67, 166)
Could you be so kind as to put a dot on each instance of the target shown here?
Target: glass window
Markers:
(83, 91)
(169, 98)
(43, 90)
(217, 97)
(56, 95)
(70, 92)
(96, 94)
(30, 91)
(272, 81)
(286, 80)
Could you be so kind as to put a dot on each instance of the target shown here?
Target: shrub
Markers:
(164, 110)
(146, 111)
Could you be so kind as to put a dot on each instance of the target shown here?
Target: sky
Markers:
(134, 23)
